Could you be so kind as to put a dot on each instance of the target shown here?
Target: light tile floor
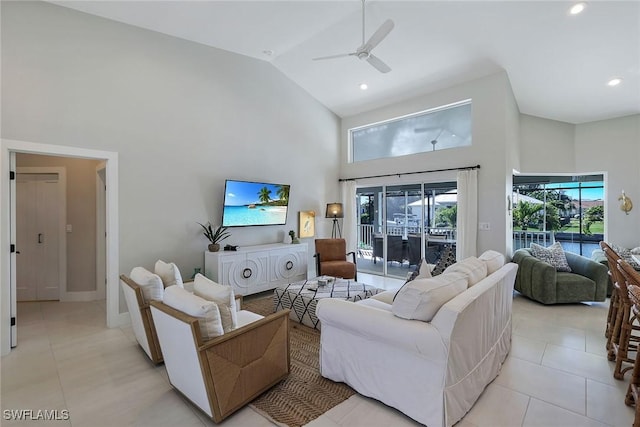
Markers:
(557, 374)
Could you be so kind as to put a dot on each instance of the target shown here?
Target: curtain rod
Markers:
(411, 173)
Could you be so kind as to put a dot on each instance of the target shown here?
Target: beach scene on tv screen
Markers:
(255, 203)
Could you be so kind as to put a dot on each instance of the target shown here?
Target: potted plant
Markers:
(214, 236)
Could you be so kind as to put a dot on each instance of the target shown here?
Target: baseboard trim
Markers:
(81, 296)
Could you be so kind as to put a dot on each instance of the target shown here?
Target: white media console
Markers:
(253, 269)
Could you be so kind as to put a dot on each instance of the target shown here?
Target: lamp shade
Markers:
(334, 210)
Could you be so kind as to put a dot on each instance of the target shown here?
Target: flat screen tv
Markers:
(254, 203)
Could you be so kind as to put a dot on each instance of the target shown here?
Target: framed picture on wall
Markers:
(307, 224)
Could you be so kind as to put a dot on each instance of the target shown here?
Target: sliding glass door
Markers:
(398, 225)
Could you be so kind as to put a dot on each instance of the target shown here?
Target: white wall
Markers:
(613, 146)
(610, 146)
(494, 115)
(182, 116)
(546, 145)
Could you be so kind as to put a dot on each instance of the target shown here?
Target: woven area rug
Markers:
(304, 395)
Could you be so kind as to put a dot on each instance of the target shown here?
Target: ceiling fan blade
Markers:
(378, 36)
(378, 64)
(342, 55)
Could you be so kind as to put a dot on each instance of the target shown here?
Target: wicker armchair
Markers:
(223, 374)
(141, 321)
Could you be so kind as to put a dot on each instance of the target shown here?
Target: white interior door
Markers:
(38, 237)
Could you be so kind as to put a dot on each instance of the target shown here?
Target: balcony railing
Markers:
(366, 233)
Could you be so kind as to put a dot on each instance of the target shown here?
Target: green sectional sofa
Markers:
(541, 282)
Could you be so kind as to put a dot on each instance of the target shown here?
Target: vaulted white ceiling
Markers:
(558, 64)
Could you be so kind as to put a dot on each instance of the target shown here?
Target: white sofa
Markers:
(431, 371)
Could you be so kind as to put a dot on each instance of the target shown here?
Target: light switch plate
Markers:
(484, 226)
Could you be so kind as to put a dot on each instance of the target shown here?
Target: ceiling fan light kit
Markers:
(364, 51)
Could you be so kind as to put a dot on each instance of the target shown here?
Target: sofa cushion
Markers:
(222, 295)
(447, 258)
(385, 297)
(553, 255)
(150, 283)
(169, 273)
(421, 299)
(207, 312)
(494, 260)
(472, 267)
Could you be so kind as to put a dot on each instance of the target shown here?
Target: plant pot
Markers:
(214, 247)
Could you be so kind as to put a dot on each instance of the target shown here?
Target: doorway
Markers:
(8, 300)
(40, 239)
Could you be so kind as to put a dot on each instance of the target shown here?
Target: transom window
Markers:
(437, 129)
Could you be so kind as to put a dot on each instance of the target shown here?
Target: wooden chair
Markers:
(141, 321)
(614, 300)
(331, 259)
(631, 399)
(223, 374)
(622, 340)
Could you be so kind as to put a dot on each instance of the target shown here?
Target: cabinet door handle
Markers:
(40, 238)
(246, 273)
(289, 265)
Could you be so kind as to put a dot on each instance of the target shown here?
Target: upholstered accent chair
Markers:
(141, 321)
(331, 259)
(541, 282)
(222, 374)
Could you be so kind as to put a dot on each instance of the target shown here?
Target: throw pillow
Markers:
(151, 284)
(493, 259)
(553, 255)
(205, 311)
(169, 273)
(447, 258)
(222, 295)
(474, 269)
(626, 255)
(422, 271)
(421, 299)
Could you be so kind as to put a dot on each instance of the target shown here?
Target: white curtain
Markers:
(467, 219)
(349, 224)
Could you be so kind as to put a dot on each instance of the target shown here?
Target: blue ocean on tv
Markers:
(254, 203)
(258, 215)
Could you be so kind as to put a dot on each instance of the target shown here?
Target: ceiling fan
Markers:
(364, 51)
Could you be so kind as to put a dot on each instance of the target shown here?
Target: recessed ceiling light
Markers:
(364, 86)
(577, 8)
(614, 82)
